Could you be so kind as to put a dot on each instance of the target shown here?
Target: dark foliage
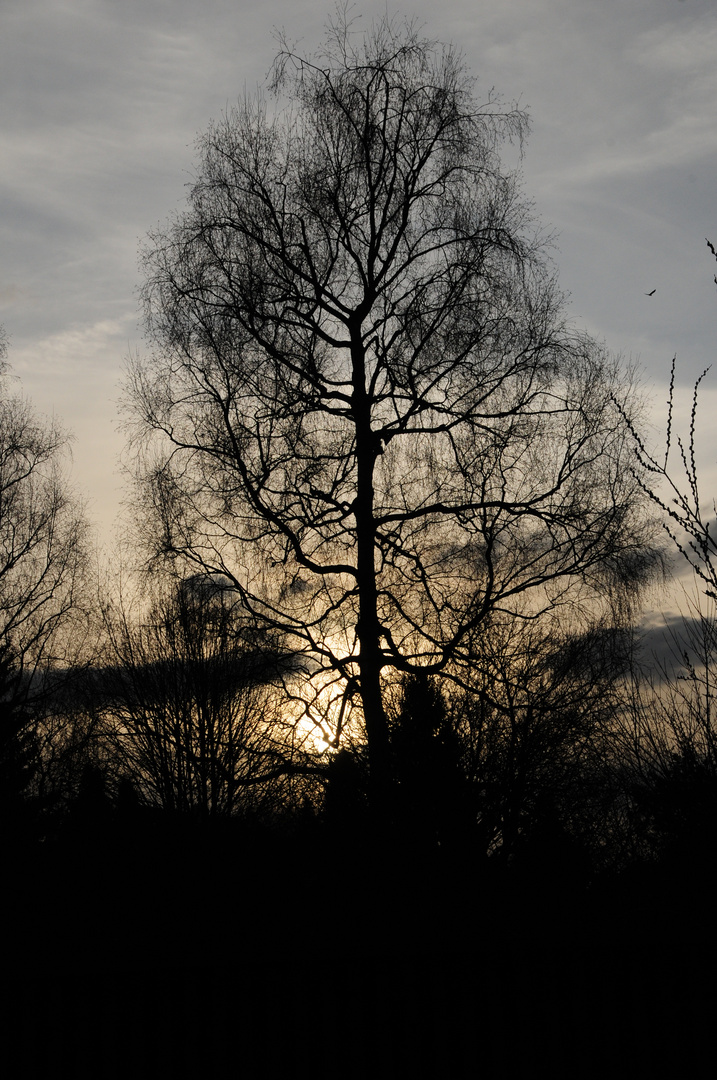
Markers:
(19, 757)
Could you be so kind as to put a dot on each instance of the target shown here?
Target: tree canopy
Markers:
(43, 533)
(363, 402)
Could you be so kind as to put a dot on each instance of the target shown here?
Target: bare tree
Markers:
(537, 729)
(43, 535)
(670, 730)
(690, 522)
(43, 579)
(189, 699)
(363, 403)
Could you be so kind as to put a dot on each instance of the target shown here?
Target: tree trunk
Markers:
(370, 660)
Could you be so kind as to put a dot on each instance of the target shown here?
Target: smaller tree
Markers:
(18, 753)
(43, 600)
(671, 749)
(431, 800)
(189, 693)
(43, 536)
(690, 523)
(535, 727)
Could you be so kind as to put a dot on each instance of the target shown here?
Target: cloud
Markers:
(73, 374)
(639, 99)
(687, 49)
(668, 646)
(100, 104)
(70, 353)
(9, 294)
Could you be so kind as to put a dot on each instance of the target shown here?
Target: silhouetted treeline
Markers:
(559, 752)
(538, 891)
(567, 763)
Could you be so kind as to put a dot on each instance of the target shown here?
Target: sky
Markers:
(101, 102)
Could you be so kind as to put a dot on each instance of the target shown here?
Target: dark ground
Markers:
(167, 953)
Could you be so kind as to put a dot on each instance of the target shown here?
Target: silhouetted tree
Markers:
(364, 404)
(670, 747)
(431, 804)
(189, 692)
(345, 802)
(43, 579)
(18, 754)
(91, 809)
(43, 536)
(666, 740)
(536, 727)
(691, 525)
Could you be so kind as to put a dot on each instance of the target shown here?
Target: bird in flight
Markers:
(651, 293)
